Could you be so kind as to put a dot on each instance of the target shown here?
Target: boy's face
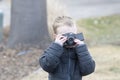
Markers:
(66, 29)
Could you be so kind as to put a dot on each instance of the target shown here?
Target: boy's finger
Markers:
(75, 40)
(58, 35)
(64, 39)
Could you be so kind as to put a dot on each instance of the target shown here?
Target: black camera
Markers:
(71, 37)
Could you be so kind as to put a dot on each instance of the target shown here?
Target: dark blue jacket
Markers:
(67, 63)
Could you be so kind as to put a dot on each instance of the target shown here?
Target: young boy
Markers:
(70, 62)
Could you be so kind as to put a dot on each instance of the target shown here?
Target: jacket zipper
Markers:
(69, 65)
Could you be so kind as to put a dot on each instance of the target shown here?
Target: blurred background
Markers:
(25, 31)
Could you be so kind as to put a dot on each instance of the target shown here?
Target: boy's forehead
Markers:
(66, 29)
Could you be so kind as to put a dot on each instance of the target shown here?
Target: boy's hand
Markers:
(60, 39)
(78, 42)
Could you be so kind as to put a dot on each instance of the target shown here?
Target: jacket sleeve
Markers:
(86, 63)
(50, 58)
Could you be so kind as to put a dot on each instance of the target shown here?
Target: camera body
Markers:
(71, 37)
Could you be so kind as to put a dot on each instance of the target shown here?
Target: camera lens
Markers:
(71, 39)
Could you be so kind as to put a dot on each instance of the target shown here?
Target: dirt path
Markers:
(93, 8)
(5, 7)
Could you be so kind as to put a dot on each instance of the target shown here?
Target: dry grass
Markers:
(101, 30)
(15, 64)
(107, 65)
(38, 75)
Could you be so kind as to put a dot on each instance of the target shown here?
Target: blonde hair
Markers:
(61, 21)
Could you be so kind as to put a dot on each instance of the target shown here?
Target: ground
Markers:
(107, 65)
(14, 64)
(26, 66)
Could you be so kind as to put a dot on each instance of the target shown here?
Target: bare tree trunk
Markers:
(1, 25)
(29, 24)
